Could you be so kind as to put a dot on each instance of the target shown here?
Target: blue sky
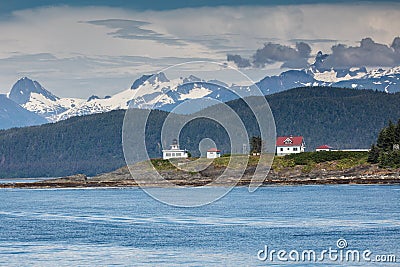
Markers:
(80, 48)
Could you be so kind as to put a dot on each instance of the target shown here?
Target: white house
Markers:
(174, 151)
(286, 145)
(324, 148)
(213, 153)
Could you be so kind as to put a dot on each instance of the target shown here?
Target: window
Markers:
(281, 148)
(178, 154)
(288, 148)
(168, 154)
(173, 154)
(288, 141)
(295, 149)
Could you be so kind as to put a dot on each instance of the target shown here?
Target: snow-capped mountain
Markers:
(34, 97)
(381, 80)
(356, 78)
(158, 92)
(149, 91)
(23, 89)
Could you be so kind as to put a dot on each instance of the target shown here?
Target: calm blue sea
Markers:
(126, 227)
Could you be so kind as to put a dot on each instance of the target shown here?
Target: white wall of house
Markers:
(174, 154)
(213, 155)
(287, 150)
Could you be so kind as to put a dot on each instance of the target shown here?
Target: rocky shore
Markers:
(363, 174)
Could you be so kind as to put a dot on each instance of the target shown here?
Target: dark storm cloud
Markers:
(239, 61)
(272, 52)
(303, 49)
(368, 53)
(396, 44)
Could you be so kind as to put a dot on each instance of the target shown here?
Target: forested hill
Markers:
(342, 118)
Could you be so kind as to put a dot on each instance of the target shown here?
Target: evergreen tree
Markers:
(384, 152)
(381, 139)
(255, 144)
(373, 156)
(386, 137)
(397, 133)
(390, 135)
(390, 159)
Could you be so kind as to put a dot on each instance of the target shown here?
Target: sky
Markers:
(81, 48)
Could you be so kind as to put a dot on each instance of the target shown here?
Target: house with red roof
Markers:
(213, 153)
(286, 145)
(324, 148)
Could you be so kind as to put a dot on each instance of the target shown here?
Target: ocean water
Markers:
(126, 227)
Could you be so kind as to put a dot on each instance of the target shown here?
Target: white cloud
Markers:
(80, 59)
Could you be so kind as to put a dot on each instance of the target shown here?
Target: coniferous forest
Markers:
(386, 151)
(341, 118)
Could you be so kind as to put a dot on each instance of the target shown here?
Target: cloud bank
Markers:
(367, 54)
(272, 52)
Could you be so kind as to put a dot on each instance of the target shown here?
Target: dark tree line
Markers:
(386, 151)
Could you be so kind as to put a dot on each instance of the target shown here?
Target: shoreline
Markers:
(56, 184)
(325, 173)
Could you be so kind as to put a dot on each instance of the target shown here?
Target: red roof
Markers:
(290, 141)
(324, 147)
(213, 150)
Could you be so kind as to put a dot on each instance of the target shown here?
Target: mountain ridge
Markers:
(158, 92)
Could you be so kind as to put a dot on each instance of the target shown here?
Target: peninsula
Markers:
(309, 168)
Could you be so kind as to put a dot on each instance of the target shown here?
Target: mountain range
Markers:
(158, 92)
